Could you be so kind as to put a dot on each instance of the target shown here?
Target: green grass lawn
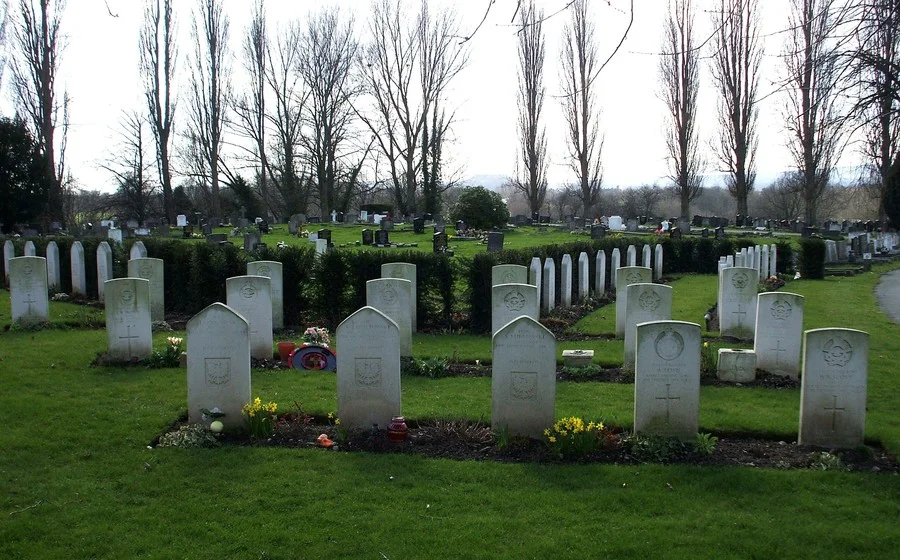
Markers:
(78, 481)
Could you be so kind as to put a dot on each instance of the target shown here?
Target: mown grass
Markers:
(77, 479)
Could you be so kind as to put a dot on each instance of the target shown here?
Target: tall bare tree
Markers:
(679, 70)
(4, 21)
(37, 46)
(531, 177)
(210, 89)
(813, 112)
(580, 66)
(158, 61)
(250, 107)
(735, 69)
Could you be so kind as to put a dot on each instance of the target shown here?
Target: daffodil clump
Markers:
(170, 355)
(573, 437)
(260, 417)
(708, 360)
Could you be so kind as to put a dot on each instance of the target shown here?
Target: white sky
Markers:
(99, 70)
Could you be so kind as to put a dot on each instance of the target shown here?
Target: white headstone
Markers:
(584, 276)
(218, 364)
(508, 274)
(405, 271)
(646, 256)
(181, 220)
(54, 278)
(658, 262)
(721, 265)
(129, 334)
(645, 303)
(28, 290)
(738, 286)
(773, 260)
(105, 269)
(76, 260)
(631, 255)
(138, 251)
(600, 273)
(667, 379)
(548, 297)
(738, 366)
(729, 261)
(523, 378)
(152, 270)
(368, 369)
(616, 223)
(534, 276)
(756, 257)
(833, 388)
(511, 301)
(746, 262)
(251, 298)
(779, 333)
(615, 263)
(30, 251)
(321, 246)
(114, 235)
(565, 280)
(764, 263)
(626, 276)
(9, 252)
(391, 297)
(274, 271)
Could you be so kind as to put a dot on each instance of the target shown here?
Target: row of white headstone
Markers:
(762, 258)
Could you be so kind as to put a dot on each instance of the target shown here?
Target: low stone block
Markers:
(738, 366)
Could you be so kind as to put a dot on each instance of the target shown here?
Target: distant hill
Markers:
(490, 182)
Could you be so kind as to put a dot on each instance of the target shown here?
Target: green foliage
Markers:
(705, 444)
(708, 360)
(433, 367)
(261, 418)
(586, 372)
(170, 356)
(654, 449)
(189, 436)
(572, 437)
(825, 461)
(812, 258)
(24, 184)
(480, 208)
(246, 198)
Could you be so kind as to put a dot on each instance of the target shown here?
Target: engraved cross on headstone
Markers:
(129, 339)
(668, 398)
(30, 301)
(740, 312)
(834, 410)
(778, 350)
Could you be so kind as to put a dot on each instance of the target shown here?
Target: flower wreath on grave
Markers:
(314, 353)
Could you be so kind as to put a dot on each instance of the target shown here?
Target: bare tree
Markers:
(813, 116)
(409, 127)
(4, 20)
(130, 166)
(37, 47)
(736, 62)
(250, 107)
(783, 199)
(531, 177)
(580, 65)
(679, 70)
(210, 89)
(158, 61)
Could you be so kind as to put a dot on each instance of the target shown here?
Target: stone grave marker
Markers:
(9, 252)
(115, 235)
(129, 334)
(382, 238)
(368, 369)
(729, 261)
(368, 237)
(615, 263)
(779, 333)
(667, 379)
(152, 270)
(833, 388)
(274, 271)
(565, 296)
(738, 309)
(509, 274)
(251, 240)
(523, 378)
(405, 271)
(631, 255)
(757, 253)
(584, 276)
(28, 290)
(510, 301)
(626, 276)
(138, 251)
(54, 278)
(391, 297)
(548, 283)
(76, 260)
(764, 263)
(646, 257)
(30, 251)
(645, 302)
(321, 246)
(658, 262)
(600, 273)
(104, 269)
(535, 272)
(738, 366)
(218, 364)
(495, 241)
(251, 298)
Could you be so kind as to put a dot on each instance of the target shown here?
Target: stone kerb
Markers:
(368, 369)
(218, 364)
(523, 378)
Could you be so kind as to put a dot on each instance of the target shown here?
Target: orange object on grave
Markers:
(323, 441)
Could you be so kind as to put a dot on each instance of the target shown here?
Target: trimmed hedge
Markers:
(812, 258)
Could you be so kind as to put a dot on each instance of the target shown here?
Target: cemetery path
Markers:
(887, 292)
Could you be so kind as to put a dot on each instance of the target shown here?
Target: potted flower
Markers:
(314, 353)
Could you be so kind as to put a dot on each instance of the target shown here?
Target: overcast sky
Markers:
(99, 71)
